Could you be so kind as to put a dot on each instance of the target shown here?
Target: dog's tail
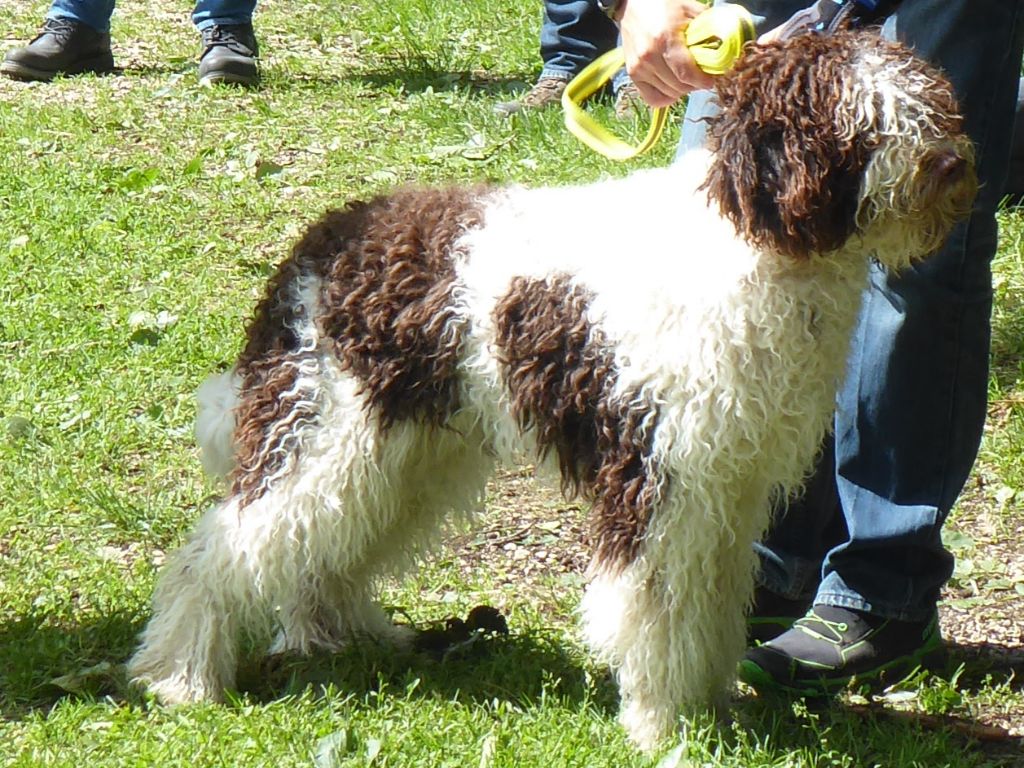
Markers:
(215, 422)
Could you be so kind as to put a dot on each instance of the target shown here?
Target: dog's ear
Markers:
(785, 170)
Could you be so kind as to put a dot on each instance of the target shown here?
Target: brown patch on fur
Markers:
(388, 302)
(267, 405)
(560, 373)
(626, 487)
(783, 172)
(385, 270)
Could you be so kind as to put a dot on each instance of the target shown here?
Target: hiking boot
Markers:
(546, 91)
(772, 615)
(65, 47)
(628, 101)
(831, 646)
(229, 55)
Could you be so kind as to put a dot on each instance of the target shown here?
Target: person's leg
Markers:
(230, 48)
(1014, 186)
(572, 34)
(75, 38)
(910, 417)
(910, 414)
(224, 13)
(92, 13)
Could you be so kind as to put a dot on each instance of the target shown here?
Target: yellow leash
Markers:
(715, 39)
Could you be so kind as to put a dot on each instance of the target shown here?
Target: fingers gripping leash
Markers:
(715, 39)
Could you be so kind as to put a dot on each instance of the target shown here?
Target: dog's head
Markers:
(822, 139)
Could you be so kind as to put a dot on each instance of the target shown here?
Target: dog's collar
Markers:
(826, 16)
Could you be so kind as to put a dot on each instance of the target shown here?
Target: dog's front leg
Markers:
(672, 629)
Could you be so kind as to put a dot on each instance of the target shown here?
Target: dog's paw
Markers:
(178, 689)
(169, 683)
(647, 728)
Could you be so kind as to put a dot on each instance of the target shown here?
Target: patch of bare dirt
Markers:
(982, 610)
(529, 531)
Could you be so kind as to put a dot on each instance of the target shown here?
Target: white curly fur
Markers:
(739, 350)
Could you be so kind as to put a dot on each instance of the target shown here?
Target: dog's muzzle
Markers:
(949, 180)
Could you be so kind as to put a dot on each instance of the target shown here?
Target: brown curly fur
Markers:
(386, 268)
(560, 373)
(783, 172)
(264, 404)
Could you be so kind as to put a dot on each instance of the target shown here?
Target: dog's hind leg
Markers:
(246, 555)
(251, 564)
(300, 510)
(419, 479)
(188, 649)
(323, 501)
(328, 612)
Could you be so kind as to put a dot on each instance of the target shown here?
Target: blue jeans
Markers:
(572, 34)
(97, 13)
(909, 416)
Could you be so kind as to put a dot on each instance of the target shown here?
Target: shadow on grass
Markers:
(839, 732)
(519, 668)
(38, 656)
(42, 662)
(987, 664)
(410, 80)
(417, 80)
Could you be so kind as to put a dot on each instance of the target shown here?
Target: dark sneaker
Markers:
(830, 646)
(229, 55)
(63, 47)
(546, 91)
(772, 615)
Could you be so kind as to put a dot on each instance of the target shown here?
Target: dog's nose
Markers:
(948, 167)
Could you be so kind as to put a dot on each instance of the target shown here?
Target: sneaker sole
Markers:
(929, 657)
(100, 65)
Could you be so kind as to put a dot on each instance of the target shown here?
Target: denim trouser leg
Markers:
(93, 13)
(572, 34)
(222, 12)
(910, 413)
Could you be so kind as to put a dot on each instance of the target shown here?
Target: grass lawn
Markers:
(139, 217)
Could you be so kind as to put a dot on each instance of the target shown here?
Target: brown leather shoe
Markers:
(546, 91)
(65, 47)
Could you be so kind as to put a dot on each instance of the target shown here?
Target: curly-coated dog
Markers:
(676, 363)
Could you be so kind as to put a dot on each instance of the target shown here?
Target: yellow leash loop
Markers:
(715, 38)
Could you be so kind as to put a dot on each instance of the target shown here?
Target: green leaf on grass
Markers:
(332, 749)
(86, 679)
(955, 540)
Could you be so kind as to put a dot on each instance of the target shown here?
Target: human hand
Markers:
(657, 59)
